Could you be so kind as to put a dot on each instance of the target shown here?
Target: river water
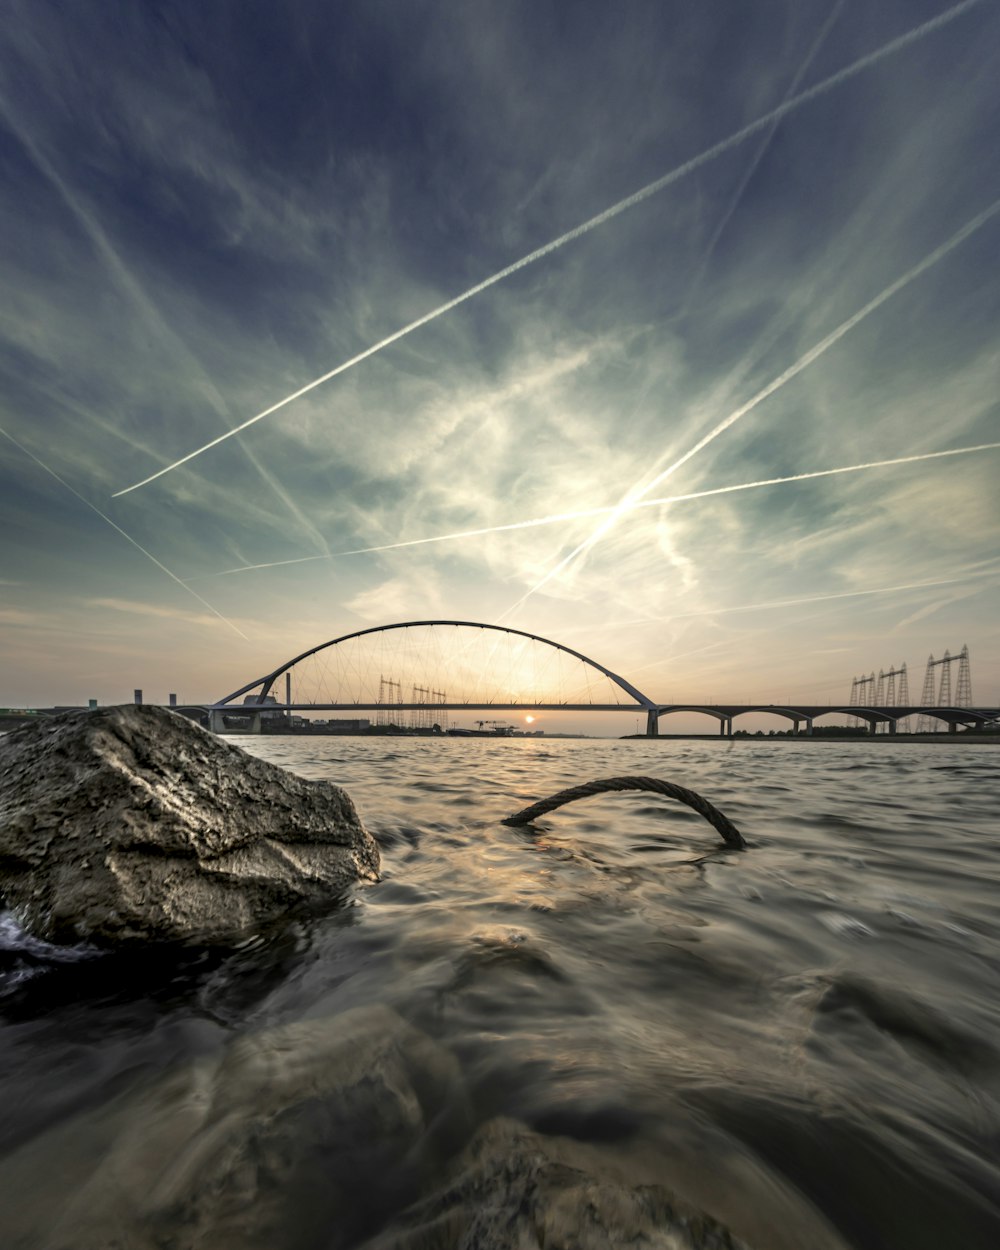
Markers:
(802, 1039)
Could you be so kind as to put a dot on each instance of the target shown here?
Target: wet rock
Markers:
(132, 823)
(298, 1138)
(513, 1189)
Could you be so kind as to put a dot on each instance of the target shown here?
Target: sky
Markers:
(760, 241)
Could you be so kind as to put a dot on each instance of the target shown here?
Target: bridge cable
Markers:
(715, 818)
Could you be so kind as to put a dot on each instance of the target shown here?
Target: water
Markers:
(802, 1039)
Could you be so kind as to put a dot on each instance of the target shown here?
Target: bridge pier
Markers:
(809, 726)
(652, 723)
(217, 724)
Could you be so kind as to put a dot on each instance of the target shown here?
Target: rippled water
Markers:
(802, 1039)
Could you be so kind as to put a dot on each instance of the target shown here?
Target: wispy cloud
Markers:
(136, 608)
(846, 594)
(709, 154)
(762, 148)
(118, 529)
(803, 362)
(17, 616)
(586, 513)
(125, 279)
(207, 254)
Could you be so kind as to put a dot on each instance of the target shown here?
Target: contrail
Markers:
(762, 149)
(149, 556)
(681, 171)
(847, 594)
(584, 513)
(134, 291)
(776, 384)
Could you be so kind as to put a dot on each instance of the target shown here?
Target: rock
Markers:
(303, 1136)
(513, 1189)
(134, 824)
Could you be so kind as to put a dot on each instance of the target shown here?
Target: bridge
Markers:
(425, 669)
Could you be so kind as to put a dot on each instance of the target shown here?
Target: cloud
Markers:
(180, 251)
(157, 610)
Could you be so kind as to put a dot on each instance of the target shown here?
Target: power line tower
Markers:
(389, 693)
(924, 722)
(440, 696)
(862, 695)
(420, 717)
(887, 694)
(898, 695)
(963, 694)
(944, 690)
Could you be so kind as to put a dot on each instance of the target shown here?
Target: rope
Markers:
(702, 806)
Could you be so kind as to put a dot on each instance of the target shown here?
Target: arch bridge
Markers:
(433, 667)
(423, 670)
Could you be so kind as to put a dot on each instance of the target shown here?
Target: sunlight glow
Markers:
(793, 370)
(681, 171)
(583, 513)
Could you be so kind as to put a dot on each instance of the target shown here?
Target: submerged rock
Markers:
(133, 823)
(513, 1188)
(295, 1138)
(323, 1135)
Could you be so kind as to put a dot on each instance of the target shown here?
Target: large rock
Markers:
(132, 823)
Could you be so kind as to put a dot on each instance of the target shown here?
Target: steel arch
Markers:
(268, 680)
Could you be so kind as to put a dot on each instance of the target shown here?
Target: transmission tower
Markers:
(389, 693)
(420, 717)
(944, 690)
(963, 696)
(924, 724)
(440, 696)
(902, 694)
(862, 695)
(889, 695)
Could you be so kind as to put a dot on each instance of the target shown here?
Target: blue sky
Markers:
(205, 207)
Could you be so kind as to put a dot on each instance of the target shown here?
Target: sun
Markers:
(529, 720)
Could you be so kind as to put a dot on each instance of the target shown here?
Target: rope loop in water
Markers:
(702, 806)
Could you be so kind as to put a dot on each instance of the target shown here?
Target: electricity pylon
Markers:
(963, 694)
